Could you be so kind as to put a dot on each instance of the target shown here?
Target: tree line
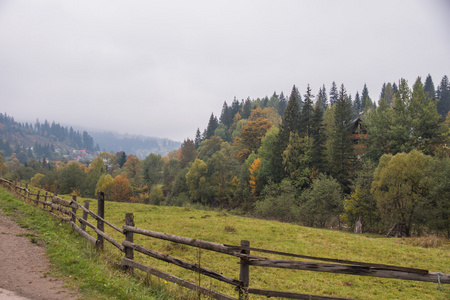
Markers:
(30, 141)
(323, 160)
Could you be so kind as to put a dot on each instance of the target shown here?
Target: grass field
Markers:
(426, 253)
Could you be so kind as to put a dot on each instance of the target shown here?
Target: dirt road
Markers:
(24, 267)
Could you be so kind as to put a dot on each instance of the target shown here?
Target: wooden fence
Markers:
(243, 252)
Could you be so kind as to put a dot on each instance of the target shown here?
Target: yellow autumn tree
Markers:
(253, 182)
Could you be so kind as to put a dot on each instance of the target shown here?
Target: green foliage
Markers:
(400, 186)
(152, 169)
(297, 160)
(321, 204)
(71, 178)
(278, 202)
(342, 153)
(196, 180)
(361, 203)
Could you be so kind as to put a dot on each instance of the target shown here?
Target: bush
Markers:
(278, 202)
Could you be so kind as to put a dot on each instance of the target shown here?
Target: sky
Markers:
(160, 68)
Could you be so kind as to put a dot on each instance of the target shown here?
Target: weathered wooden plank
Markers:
(191, 242)
(84, 234)
(340, 261)
(175, 279)
(350, 270)
(101, 233)
(63, 202)
(182, 264)
(96, 217)
(290, 295)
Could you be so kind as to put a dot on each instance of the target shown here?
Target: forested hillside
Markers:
(322, 160)
(141, 146)
(52, 141)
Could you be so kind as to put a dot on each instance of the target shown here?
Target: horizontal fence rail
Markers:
(244, 253)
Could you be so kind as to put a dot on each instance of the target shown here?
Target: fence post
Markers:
(85, 216)
(37, 198)
(244, 274)
(74, 210)
(101, 214)
(129, 253)
(25, 192)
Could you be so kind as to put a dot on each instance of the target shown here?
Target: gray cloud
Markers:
(160, 68)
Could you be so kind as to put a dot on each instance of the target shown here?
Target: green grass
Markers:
(74, 260)
(224, 228)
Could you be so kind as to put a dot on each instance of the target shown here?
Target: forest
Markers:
(321, 160)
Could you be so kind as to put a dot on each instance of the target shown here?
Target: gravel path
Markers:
(24, 267)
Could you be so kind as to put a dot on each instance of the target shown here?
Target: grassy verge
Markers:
(74, 260)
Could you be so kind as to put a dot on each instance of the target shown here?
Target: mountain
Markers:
(141, 146)
(55, 141)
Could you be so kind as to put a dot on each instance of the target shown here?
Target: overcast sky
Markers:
(159, 68)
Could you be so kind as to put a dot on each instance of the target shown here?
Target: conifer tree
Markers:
(365, 97)
(282, 104)
(322, 99)
(443, 94)
(212, 126)
(290, 123)
(225, 116)
(357, 103)
(395, 87)
(383, 88)
(198, 138)
(429, 88)
(333, 94)
(246, 109)
(342, 144)
(318, 139)
(306, 114)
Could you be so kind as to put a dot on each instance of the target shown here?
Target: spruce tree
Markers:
(365, 97)
(342, 145)
(318, 139)
(282, 104)
(443, 105)
(225, 116)
(383, 88)
(212, 126)
(306, 114)
(290, 123)
(357, 103)
(333, 94)
(429, 88)
(246, 109)
(198, 138)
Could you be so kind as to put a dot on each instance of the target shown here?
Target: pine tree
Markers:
(429, 88)
(282, 104)
(306, 114)
(357, 103)
(365, 97)
(342, 144)
(318, 139)
(443, 106)
(198, 138)
(225, 116)
(333, 94)
(322, 99)
(389, 94)
(212, 126)
(395, 87)
(383, 88)
(290, 123)
(246, 109)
